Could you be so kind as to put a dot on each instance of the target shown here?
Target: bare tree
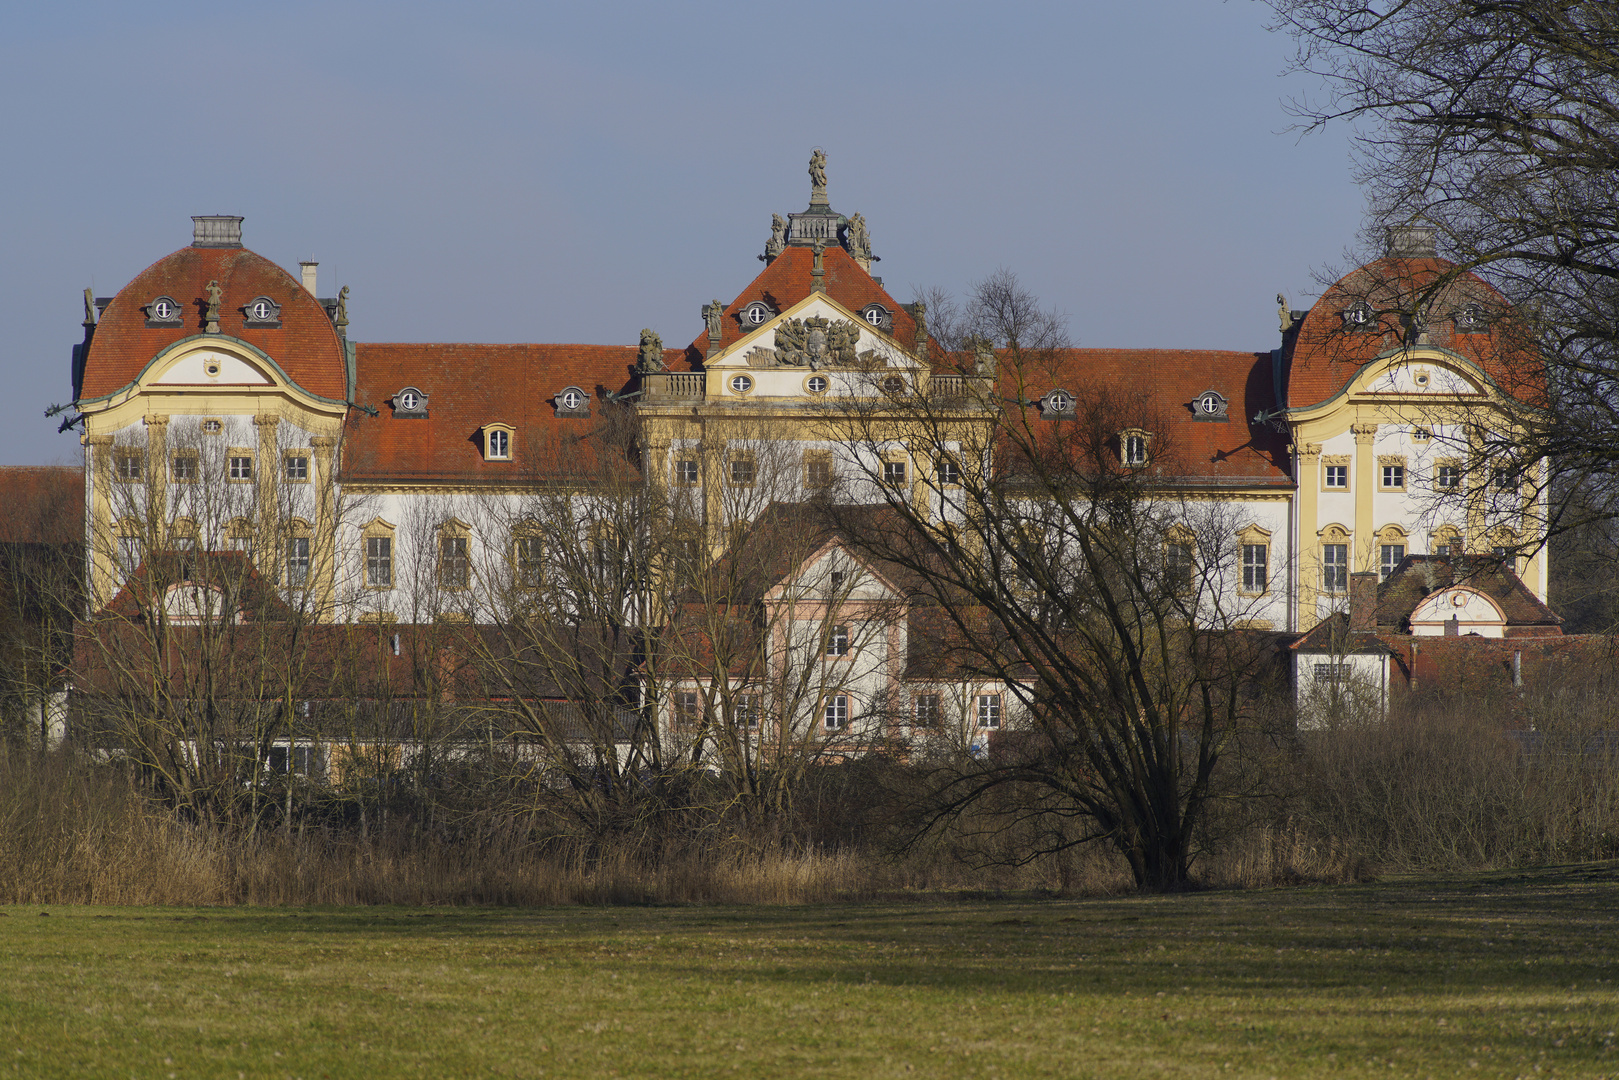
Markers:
(1496, 123)
(1067, 563)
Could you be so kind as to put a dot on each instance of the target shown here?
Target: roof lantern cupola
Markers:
(216, 231)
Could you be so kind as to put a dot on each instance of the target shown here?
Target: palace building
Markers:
(224, 408)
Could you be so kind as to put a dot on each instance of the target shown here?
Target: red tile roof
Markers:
(468, 386)
(1155, 389)
(787, 280)
(306, 345)
(1323, 356)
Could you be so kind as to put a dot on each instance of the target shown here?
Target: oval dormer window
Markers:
(165, 309)
(877, 315)
(572, 399)
(409, 401)
(1059, 401)
(756, 314)
(741, 384)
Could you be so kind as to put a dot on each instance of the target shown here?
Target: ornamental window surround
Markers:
(1447, 474)
(1334, 559)
(1335, 473)
(297, 554)
(183, 467)
(378, 543)
(1255, 543)
(128, 465)
(1134, 447)
(497, 441)
(239, 465)
(1391, 473)
(528, 558)
(817, 469)
(454, 556)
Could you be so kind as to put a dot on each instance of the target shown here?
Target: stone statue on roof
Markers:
(778, 237)
(817, 171)
(341, 319)
(89, 308)
(859, 238)
(215, 295)
(1284, 313)
(650, 358)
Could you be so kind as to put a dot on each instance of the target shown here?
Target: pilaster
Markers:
(1308, 456)
(157, 478)
(1363, 528)
(323, 540)
(102, 544)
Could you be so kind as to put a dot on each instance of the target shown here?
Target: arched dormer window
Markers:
(261, 312)
(572, 401)
(1359, 317)
(1057, 404)
(497, 441)
(410, 404)
(1134, 447)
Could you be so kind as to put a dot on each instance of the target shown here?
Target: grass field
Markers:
(1483, 975)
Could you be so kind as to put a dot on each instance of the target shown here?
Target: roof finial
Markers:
(817, 172)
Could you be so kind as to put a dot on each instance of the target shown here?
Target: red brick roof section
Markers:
(468, 386)
(787, 280)
(41, 505)
(306, 345)
(1155, 389)
(1323, 355)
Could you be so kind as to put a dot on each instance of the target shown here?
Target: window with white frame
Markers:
(379, 562)
(239, 466)
(295, 468)
(894, 473)
(1389, 556)
(989, 710)
(927, 712)
(1332, 674)
(183, 467)
(298, 561)
(949, 470)
(498, 442)
(1133, 445)
(129, 466)
(836, 716)
(1178, 566)
(454, 562)
(1337, 477)
(1393, 476)
(837, 641)
(1255, 568)
(746, 710)
(686, 472)
(528, 551)
(1335, 567)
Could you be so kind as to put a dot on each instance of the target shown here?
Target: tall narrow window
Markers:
(837, 712)
(746, 710)
(529, 550)
(1335, 567)
(379, 562)
(1135, 449)
(1178, 566)
(989, 710)
(1255, 567)
(1389, 557)
(688, 709)
(500, 445)
(298, 561)
(454, 562)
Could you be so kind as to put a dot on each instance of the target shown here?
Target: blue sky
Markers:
(572, 173)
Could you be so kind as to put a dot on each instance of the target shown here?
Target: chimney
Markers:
(216, 231)
(1412, 241)
(1453, 627)
(308, 268)
(1363, 602)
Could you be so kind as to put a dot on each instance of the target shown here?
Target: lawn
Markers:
(1500, 974)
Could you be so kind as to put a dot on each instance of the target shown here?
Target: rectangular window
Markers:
(183, 468)
(818, 471)
(1255, 567)
(1135, 449)
(1389, 556)
(742, 471)
(1394, 477)
(837, 577)
(1448, 477)
(927, 713)
(949, 471)
(894, 473)
(1178, 567)
(129, 551)
(837, 712)
(747, 711)
(686, 472)
(129, 465)
(1448, 547)
(1338, 476)
(1335, 567)
(379, 562)
(837, 642)
(454, 563)
(1502, 479)
(989, 710)
(298, 562)
(529, 550)
(297, 468)
(1332, 674)
(239, 467)
(240, 542)
(688, 709)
